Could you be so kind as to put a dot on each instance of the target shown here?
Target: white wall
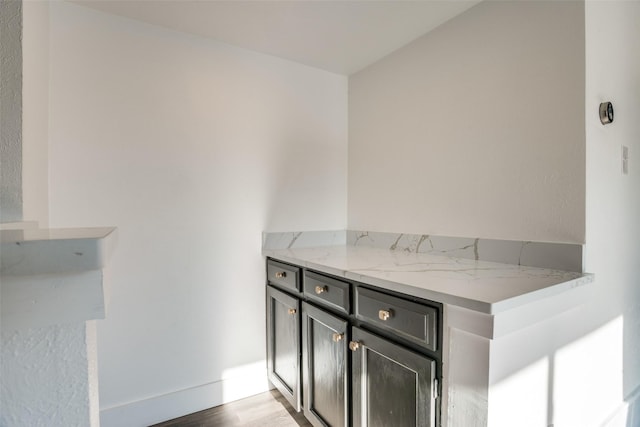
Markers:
(191, 148)
(613, 199)
(35, 112)
(450, 136)
(476, 129)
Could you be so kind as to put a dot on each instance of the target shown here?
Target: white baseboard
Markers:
(245, 382)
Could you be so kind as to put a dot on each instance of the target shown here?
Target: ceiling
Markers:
(339, 36)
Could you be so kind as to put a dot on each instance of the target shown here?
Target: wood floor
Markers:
(263, 410)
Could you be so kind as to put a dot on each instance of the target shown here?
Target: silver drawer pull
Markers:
(281, 274)
(337, 337)
(292, 311)
(321, 289)
(354, 345)
(384, 314)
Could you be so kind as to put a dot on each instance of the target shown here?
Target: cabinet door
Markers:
(392, 386)
(283, 344)
(324, 367)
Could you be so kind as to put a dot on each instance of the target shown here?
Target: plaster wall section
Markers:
(10, 111)
(48, 340)
(475, 129)
(45, 376)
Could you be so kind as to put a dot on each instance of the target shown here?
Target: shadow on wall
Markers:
(571, 370)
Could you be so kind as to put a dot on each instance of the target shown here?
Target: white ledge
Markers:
(53, 276)
(35, 251)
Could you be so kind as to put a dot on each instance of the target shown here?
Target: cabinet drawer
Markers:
(415, 322)
(283, 275)
(327, 291)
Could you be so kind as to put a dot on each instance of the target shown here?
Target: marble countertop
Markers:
(483, 286)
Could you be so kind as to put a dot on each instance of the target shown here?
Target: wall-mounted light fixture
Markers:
(606, 113)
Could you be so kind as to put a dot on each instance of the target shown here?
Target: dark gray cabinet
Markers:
(283, 344)
(392, 386)
(349, 354)
(325, 367)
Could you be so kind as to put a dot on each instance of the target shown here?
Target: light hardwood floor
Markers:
(263, 410)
